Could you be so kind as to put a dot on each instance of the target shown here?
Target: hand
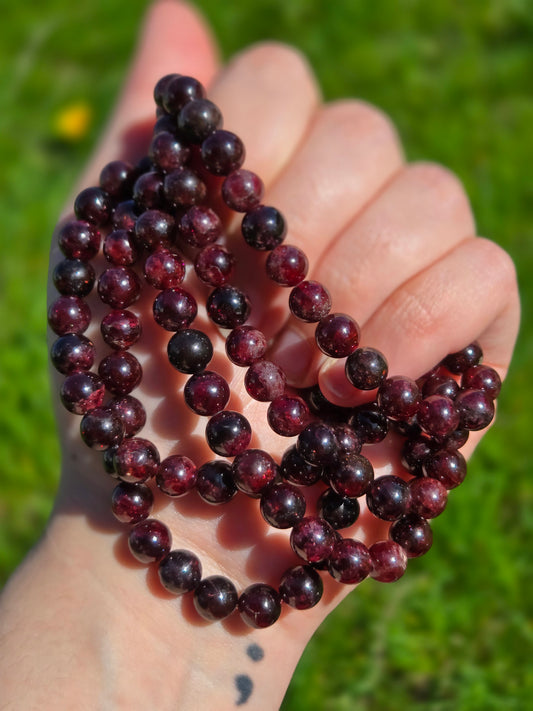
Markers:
(396, 246)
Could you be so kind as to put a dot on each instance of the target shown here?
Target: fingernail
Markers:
(294, 352)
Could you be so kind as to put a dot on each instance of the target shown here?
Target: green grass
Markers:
(456, 632)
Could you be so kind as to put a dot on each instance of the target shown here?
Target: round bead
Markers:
(200, 226)
(184, 188)
(72, 353)
(339, 511)
(154, 228)
(350, 562)
(149, 541)
(177, 91)
(387, 497)
(228, 306)
(93, 205)
(297, 471)
(323, 408)
(399, 397)
(389, 561)
(136, 460)
(175, 309)
(215, 598)
(120, 248)
(69, 314)
(73, 277)
(214, 482)
(222, 152)
(301, 587)
(206, 393)
(101, 428)
(228, 433)
(337, 335)
(242, 190)
(78, 239)
(180, 572)
(348, 442)
(116, 178)
(214, 265)
(287, 415)
(427, 497)
(437, 416)
(190, 351)
(120, 329)
(148, 191)
(438, 384)
(482, 377)
(121, 372)
(167, 151)
(313, 539)
(287, 265)
(462, 360)
(414, 451)
(447, 466)
(253, 471)
(413, 533)
(366, 368)
(164, 269)
(82, 392)
(369, 423)
(119, 287)
(317, 444)
(263, 228)
(131, 503)
(475, 408)
(259, 605)
(197, 119)
(176, 475)
(309, 301)
(456, 439)
(282, 505)
(245, 345)
(161, 87)
(265, 381)
(351, 477)
(131, 412)
(125, 215)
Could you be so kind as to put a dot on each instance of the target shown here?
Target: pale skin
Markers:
(82, 625)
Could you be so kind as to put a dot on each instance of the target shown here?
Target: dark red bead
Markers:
(282, 505)
(447, 466)
(265, 381)
(323, 408)
(189, 351)
(214, 265)
(369, 423)
(259, 605)
(456, 439)
(437, 416)
(206, 393)
(245, 345)
(174, 309)
(200, 226)
(81, 392)
(215, 598)
(350, 562)
(253, 471)
(93, 205)
(242, 190)
(73, 277)
(222, 152)
(154, 228)
(136, 460)
(475, 408)
(79, 240)
(387, 497)
(462, 360)
(228, 306)
(414, 451)
(149, 541)
(439, 384)
(119, 287)
(228, 433)
(72, 353)
(301, 587)
(176, 475)
(184, 188)
(167, 151)
(173, 93)
(352, 476)
(101, 428)
(131, 503)
(180, 572)
(339, 511)
(310, 301)
(287, 265)
(337, 335)
(69, 314)
(164, 269)
(121, 372)
(120, 329)
(366, 368)
(389, 561)
(131, 412)
(348, 442)
(313, 539)
(161, 87)
(214, 482)
(197, 119)
(482, 377)
(413, 533)
(317, 444)
(399, 397)
(427, 497)
(116, 178)
(263, 228)
(125, 215)
(288, 415)
(120, 248)
(296, 470)
(148, 191)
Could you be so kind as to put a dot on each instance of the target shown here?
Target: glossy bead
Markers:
(350, 562)
(437, 416)
(116, 178)
(313, 539)
(337, 335)
(79, 239)
(167, 151)
(200, 226)
(399, 397)
(457, 439)
(177, 91)
(174, 309)
(438, 384)
(352, 476)
(214, 482)
(197, 119)
(339, 511)
(475, 408)
(263, 228)
(215, 597)
(242, 190)
(184, 188)
(73, 277)
(120, 329)
(149, 541)
(121, 372)
(119, 287)
(82, 392)
(265, 381)
(164, 269)
(176, 475)
(387, 497)
(228, 433)
(206, 393)
(287, 265)
(309, 301)
(288, 415)
(131, 412)
(180, 572)
(317, 444)
(120, 248)
(214, 265)
(228, 306)
(190, 351)
(366, 368)
(427, 497)
(253, 471)
(154, 228)
(259, 605)
(148, 191)
(301, 587)
(245, 345)
(282, 505)
(482, 377)
(323, 408)
(161, 86)
(93, 205)
(222, 152)
(101, 428)
(72, 353)
(413, 533)
(348, 442)
(464, 359)
(69, 314)
(389, 561)
(296, 470)
(447, 466)
(131, 503)
(136, 460)
(369, 423)
(414, 451)
(125, 215)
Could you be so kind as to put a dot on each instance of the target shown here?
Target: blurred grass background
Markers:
(456, 632)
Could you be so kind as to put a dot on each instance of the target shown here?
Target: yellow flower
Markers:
(72, 122)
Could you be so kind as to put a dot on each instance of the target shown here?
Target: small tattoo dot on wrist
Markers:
(255, 652)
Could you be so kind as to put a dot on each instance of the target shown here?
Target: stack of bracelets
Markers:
(150, 215)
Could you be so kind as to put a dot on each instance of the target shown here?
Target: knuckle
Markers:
(498, 263)
(271, 57)
(443, 187)
(366, 120)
